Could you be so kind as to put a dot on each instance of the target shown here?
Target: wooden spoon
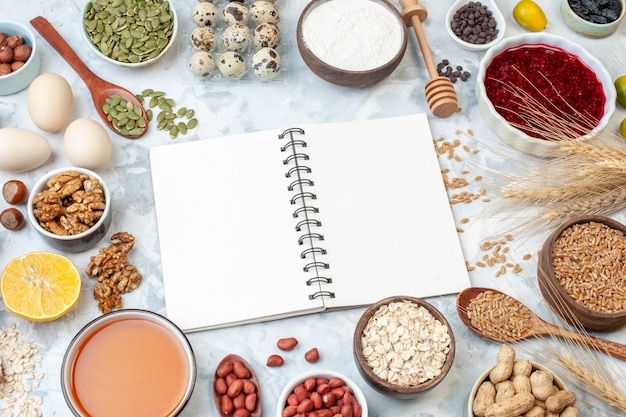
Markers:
(232, 358)
(535, 326)
(100, 89)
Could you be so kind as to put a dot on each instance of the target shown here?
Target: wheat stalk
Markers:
(583, 175)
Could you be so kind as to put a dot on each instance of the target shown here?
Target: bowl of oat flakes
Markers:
(70, 208)
(403, 346)
(581, 272)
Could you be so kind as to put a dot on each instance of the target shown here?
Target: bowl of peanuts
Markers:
(515, 387)
(581, 272)
(70, 208)
(326, 392)
(421, 362)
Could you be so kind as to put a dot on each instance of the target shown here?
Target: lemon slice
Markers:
(40, 286)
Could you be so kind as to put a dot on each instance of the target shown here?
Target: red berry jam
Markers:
(558, 80)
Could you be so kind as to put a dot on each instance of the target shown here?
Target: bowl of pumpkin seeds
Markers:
(129, 33)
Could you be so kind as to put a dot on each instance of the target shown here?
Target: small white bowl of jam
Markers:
(128, 363)
(537, 89)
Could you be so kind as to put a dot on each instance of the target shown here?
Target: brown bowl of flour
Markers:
(352, 43)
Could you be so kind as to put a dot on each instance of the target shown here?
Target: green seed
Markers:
(192, 123)
(190, 113)
(173, 131)
(182, 128)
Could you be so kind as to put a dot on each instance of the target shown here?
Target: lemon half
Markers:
(40, 286)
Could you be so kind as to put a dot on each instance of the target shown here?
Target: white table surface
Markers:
(230, 107)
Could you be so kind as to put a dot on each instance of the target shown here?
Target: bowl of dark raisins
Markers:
(474, 25)
(595, 19)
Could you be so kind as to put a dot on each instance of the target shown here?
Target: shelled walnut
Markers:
(114, 274)
(72, 203)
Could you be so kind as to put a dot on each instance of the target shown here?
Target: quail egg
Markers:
(235, 12)
(203, 38)
(264, 11)
(231, 64)
(201, 64)
(205, 14)
(266, 63)
(236, 37)
(266, 35)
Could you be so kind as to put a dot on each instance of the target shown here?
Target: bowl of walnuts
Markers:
(70, 208)
(19, 57)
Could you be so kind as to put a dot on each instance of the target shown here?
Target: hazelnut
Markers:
(17, 65)
(5, 69)
(3, 38)
(6, 54)
(22, 53)
(14, 40)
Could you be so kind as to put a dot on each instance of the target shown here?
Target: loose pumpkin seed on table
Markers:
(176, 121)
(129, 31)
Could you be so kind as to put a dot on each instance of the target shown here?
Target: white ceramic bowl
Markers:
(72, 243)
(299, 379)
(497, 15)
(20, 79)
(115, 328)
(587, 28)
(165, 50)
(515, 137)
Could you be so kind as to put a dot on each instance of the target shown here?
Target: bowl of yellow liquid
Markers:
(128, 363)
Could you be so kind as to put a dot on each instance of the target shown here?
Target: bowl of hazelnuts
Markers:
(19, 57)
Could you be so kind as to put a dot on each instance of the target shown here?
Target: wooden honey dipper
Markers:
(440, 93)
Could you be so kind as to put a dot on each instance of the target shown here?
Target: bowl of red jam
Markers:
(535, 90)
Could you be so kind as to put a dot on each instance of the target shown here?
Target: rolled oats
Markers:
(404, 344)
(18, 378)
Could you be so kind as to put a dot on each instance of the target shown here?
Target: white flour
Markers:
(354, 35)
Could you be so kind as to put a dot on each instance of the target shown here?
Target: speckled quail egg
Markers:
(203, 38)
(266, 35)
(201, 64)
(266, 63)
(205, 14)
(231, 64)
(235, 12)
(264, 11)
(236, 37)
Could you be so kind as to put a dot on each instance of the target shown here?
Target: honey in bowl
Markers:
(128, 363)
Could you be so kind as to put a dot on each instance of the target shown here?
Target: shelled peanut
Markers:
(322, 397)
(236, 391)
(515, 387)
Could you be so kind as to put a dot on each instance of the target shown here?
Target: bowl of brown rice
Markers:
(581, 272)
(403, 346)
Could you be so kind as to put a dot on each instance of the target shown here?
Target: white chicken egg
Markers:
(22, 149)
(87, 144)
(50, 101)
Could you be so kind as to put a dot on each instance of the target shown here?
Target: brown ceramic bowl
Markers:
(397, 390)
(571, 310)
(349, 75)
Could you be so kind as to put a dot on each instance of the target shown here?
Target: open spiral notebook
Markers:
(272, 224)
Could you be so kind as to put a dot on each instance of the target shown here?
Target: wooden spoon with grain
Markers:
(528, 323)
(100, 89)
